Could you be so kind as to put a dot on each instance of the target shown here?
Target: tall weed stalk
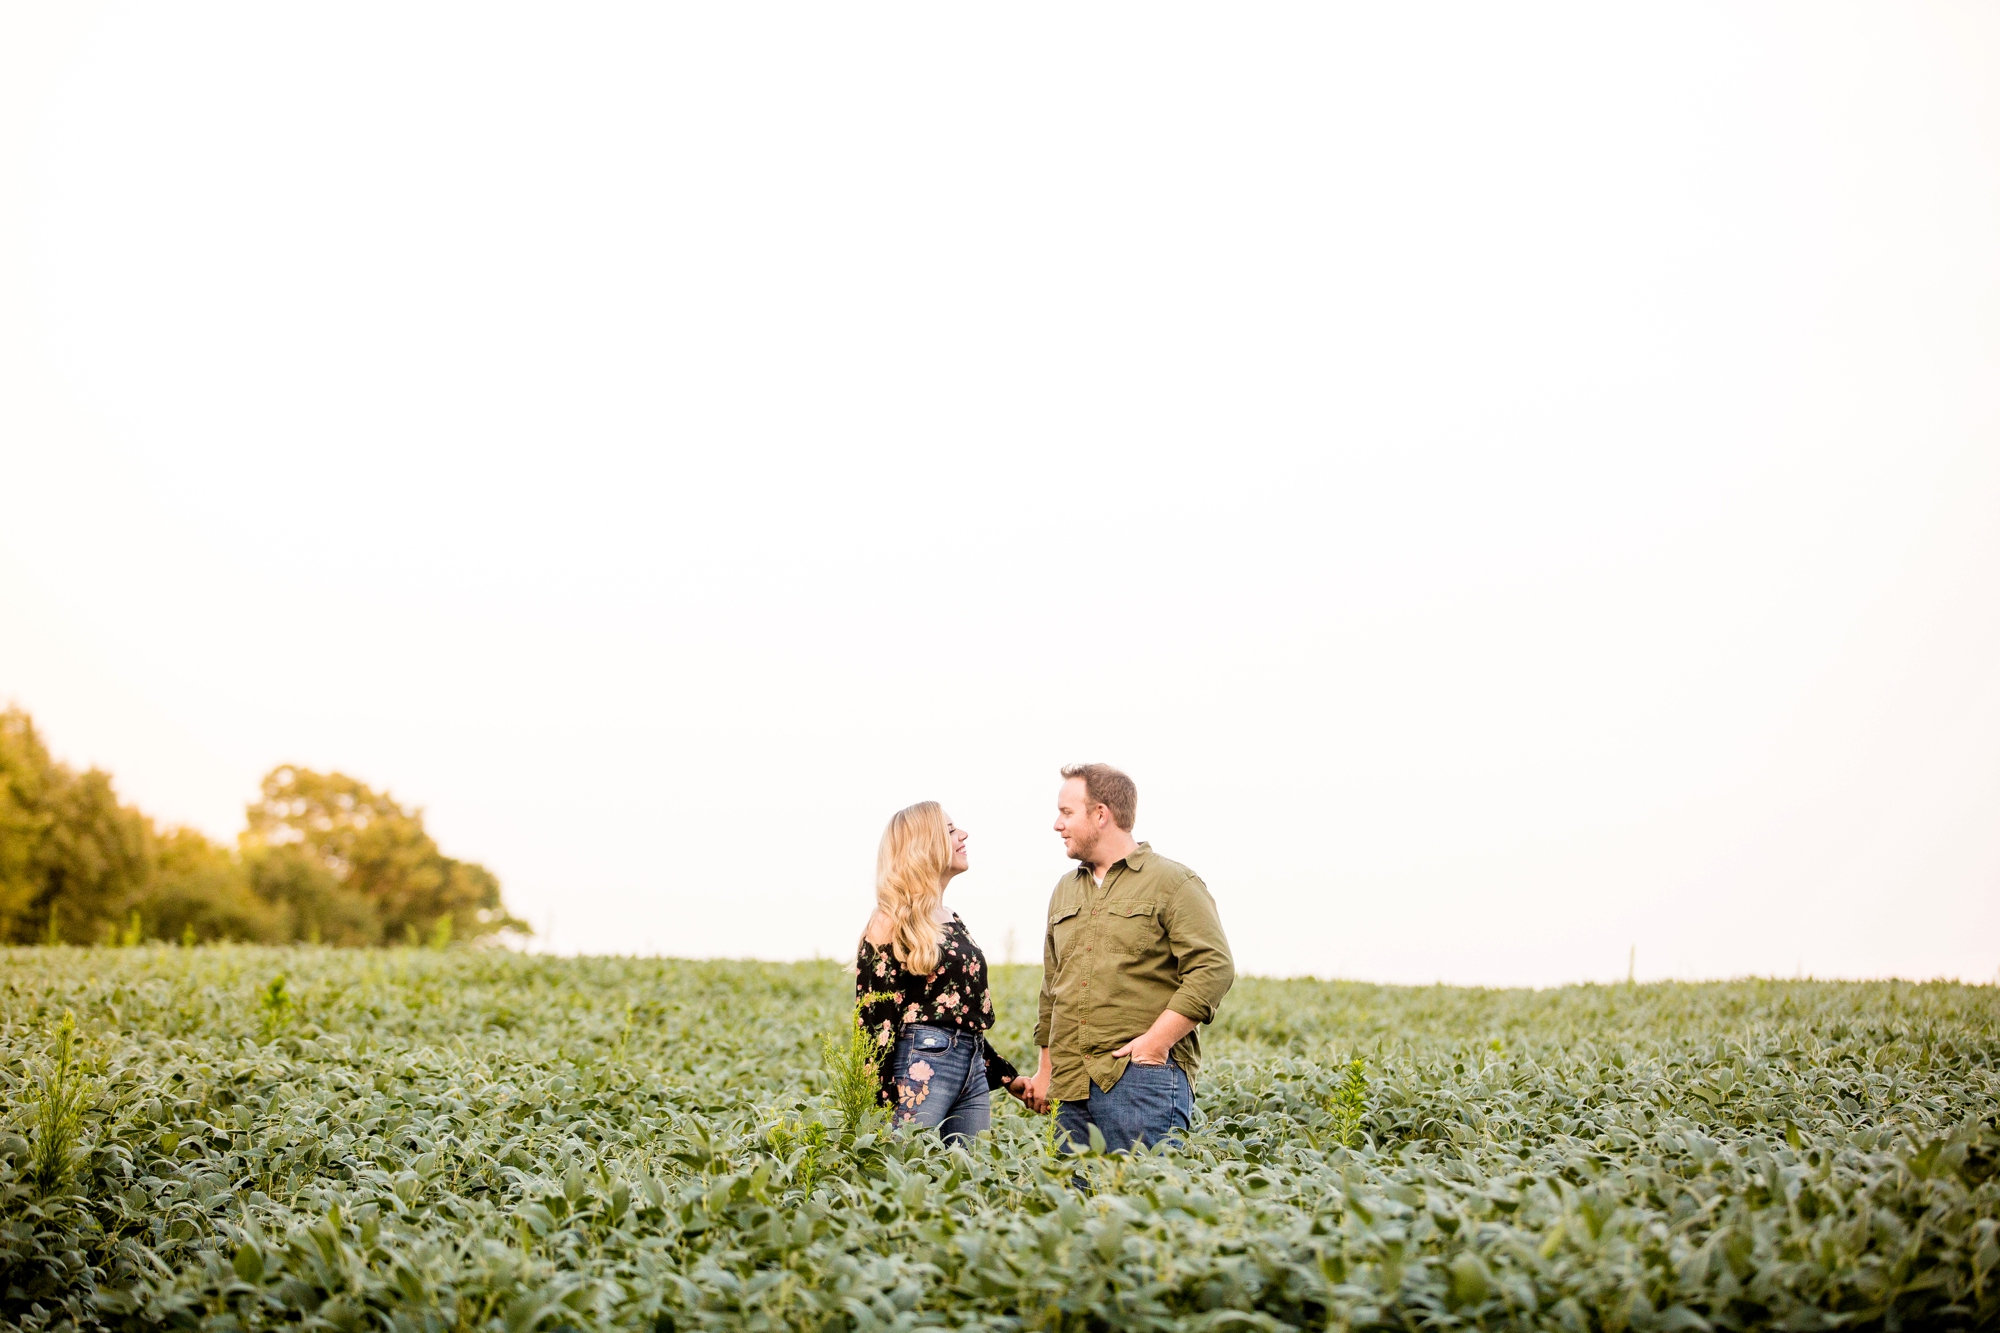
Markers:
(62, 1094)
(857, 1079)
(274, 1010)
(1348, 1104)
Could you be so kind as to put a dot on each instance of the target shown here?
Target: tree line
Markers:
(323, 859)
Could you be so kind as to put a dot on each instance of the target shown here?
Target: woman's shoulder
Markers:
(879, 932)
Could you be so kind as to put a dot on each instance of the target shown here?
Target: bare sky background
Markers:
(1512, 484)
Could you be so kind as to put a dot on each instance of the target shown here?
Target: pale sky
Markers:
(1513, 484)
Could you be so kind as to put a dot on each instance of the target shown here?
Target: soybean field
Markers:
(241, 1138)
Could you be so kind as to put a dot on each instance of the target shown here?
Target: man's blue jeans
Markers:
(1150, 1103)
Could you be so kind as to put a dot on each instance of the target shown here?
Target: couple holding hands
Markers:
(1133, 961)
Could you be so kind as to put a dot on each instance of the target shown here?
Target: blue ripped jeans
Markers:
(1149, 1103)
(941, 1081)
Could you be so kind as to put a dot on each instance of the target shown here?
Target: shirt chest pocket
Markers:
(1066, 929)
(1130, 928)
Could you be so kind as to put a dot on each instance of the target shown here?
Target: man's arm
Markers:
(1035, 1091)
(1194, 933)
(1036, 1094)
(1152, 1046)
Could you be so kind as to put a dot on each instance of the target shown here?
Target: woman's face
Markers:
(954, 837)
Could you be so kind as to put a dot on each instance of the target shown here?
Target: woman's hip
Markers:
(935, 1068)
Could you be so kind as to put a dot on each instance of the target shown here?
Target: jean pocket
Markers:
(928, 1041)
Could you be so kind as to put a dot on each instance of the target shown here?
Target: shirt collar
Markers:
(1132, 860)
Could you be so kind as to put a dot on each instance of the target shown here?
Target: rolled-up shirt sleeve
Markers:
(1194, 934)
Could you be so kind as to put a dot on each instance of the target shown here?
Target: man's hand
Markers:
(1035, 1091)
(1152, 1046)
(1144, 1050)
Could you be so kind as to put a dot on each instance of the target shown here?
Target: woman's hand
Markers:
(1017, 1085)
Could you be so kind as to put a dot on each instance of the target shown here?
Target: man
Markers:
(1133, 962)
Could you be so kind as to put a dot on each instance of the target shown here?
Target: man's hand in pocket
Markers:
(1144, 1050)
(1153, 1046)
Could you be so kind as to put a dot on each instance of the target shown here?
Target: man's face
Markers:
(1078, 819)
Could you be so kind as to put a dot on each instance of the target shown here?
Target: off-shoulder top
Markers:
(891, 997)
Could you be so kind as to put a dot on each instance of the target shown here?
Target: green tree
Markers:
(71, 857)
(324, 859)
(26, 772)
(207, 887)
(378, 851)
(314, 905)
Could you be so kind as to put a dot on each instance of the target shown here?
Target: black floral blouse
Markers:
(954, 996)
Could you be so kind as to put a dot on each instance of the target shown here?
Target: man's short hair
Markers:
(1109, 788)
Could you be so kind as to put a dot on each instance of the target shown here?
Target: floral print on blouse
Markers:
(891, 997)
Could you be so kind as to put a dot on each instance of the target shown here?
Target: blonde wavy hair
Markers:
(910, 871)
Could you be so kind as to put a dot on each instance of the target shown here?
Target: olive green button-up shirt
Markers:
(1116, 956)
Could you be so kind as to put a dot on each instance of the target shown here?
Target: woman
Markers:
(920, 982)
